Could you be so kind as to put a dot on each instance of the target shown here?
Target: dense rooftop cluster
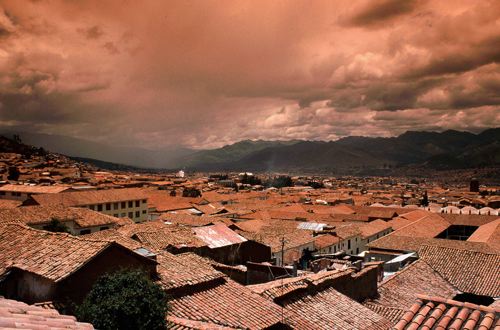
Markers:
(350, 253)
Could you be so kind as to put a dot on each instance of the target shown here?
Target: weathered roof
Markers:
(439, 313)
(79, 198)
(30, 189)
(51, 255)
(218, 235)
(469, 271)
(18, 315)
(39, 215)
(399, 290)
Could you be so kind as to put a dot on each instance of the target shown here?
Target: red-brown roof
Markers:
(439, 313)
(18, 315)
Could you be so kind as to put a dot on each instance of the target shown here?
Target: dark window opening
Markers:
(115, 206)
(474, 299)
(457, 232)
(124, 205)
(85, 232)
(108, 206)
(130, 204)
(99, 207)
(137, 203)
(349, 244)
(103, 228)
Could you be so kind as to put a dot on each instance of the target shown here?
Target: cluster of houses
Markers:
(336, 257)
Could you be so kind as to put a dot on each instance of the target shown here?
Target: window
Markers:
(103, 228)
(123, 215)
(144, 201)
(108, 206)
(349, 244)
(130, 204)
(137, 203)
(124, 205)
(144, 211)
(115, 206)
(137, 214)
(85, 232)
(92, 207)
(131, 215)
(2, 193)
(99, 207)
(116, 215)
(335, 249)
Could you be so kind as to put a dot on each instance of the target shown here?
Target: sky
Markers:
(203, 73)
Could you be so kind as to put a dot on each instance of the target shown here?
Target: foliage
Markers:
(280, 182)
(191, 192)
(56, 226)
(127, 299)
(251, 180)
(13, 173)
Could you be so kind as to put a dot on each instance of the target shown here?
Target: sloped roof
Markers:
(439, 313)
(90, 197)
(469, 271)
(18, 315)
(38, 215)
(399, 290)
(51, 255)
(218, 235)
(34, 189)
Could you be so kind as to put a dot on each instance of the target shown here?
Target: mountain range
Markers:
(445, 150)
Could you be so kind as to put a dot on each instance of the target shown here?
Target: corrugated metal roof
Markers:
(218, 235)
(311, 226)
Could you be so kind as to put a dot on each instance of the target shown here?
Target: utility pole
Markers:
(283, 241)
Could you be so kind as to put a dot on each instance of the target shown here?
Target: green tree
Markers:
(13, 173)
(127, 299)
(57, 226)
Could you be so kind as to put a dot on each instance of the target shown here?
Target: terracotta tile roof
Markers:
(373, 227)
(177, 323)
(18, 315)
(113, 235)
(393, 314)
(429, 226)
(329, 309)
(9, 204)
(186, 219)
(398, 291)
(412, 244)
(488, 233)
(39, 215)
(280, 288)
(226, 303)
(184, 269)
(323, 241)
(79, 198)
(469, 271)
(163, 202)
(51, 255)
(34, 189)
(439, 313)
(170, 235)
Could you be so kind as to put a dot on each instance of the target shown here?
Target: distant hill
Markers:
(351, 155)
(447, 150)
(137, 157)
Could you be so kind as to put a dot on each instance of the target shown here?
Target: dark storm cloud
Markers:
(201, 74)
(378, 12)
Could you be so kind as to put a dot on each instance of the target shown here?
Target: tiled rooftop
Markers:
(468, 271)
(52, 255)
(439, 313)
(39, 215)
(18, 315)
(90, 197)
